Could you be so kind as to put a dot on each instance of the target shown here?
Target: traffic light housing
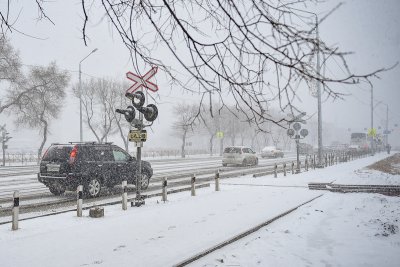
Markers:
(129, 113)
(150, 112)
(137, 99)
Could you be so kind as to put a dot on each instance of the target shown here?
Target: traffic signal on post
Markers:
(129, 113)
(150, 112)
(5, 138)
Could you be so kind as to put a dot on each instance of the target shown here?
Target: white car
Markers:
(239, 155)
(271, 152)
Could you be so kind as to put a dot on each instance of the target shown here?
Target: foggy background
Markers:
(369, 28)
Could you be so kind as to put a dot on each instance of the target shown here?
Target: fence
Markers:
(19, 159)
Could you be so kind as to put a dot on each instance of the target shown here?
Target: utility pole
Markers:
(387, 125)
(372, 120)
(320, 164)
(80, 95)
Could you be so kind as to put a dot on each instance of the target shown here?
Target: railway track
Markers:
(239, 236)
(42, 199)
(389, 190)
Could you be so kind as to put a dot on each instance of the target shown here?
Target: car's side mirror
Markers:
(130, 159)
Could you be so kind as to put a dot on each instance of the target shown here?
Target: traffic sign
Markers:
(220, 134)
(137, 136)
(372, 132)
(298, 118)
(142, 80)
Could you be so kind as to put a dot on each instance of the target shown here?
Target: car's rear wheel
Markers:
(145, 180)
(244, 163)
(93, 187)
(57, 189)
(224, 164)
(256, 162)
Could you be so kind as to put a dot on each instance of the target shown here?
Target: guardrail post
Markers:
(15, 211)
(164, 189)
(124, 195)
(284, 169)
(193, 182)
(275, 171)
(79, 204)
(217, 181)
(292, 167)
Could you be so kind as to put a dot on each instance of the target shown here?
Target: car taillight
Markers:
(73, 154)
(45, 153)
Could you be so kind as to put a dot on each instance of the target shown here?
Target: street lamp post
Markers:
(318, 69)
(80, 96)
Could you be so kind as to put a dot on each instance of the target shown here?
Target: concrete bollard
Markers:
(275, 171)
(292, 167)
(217, 181)
(15, 211)
(164, 189)
(79, 201)
(124, 195)
(193, 183)
(284, 169)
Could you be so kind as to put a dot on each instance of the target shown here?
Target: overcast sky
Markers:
(370, 28)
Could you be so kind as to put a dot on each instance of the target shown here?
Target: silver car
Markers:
(239, 155)
(271, 152)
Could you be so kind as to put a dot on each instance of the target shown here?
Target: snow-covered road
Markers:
(335, 229)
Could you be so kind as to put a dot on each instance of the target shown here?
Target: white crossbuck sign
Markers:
(142, 81)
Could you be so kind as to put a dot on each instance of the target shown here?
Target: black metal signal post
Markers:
(139, 135)
(139, 200)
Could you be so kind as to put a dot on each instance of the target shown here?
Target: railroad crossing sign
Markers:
(142, 80)
(137, 136)
(298, 118)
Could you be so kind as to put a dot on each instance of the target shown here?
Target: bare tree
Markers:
(255, 51)
(185, 115)
(11, 76)
(44, 101)
(120, 101)
(99, 98)
(211, 123)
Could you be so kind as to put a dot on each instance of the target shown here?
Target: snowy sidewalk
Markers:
(163, 234)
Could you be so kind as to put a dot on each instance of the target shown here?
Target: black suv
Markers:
(93, 165)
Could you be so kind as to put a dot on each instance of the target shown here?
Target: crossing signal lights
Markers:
(150, 112)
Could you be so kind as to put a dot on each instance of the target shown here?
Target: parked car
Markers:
(271, 152)
(93, 165)
(239, 155)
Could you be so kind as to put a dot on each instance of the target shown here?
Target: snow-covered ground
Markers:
(333, 230)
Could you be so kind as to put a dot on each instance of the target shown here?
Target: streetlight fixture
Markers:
(318, 69)
(80, 96)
